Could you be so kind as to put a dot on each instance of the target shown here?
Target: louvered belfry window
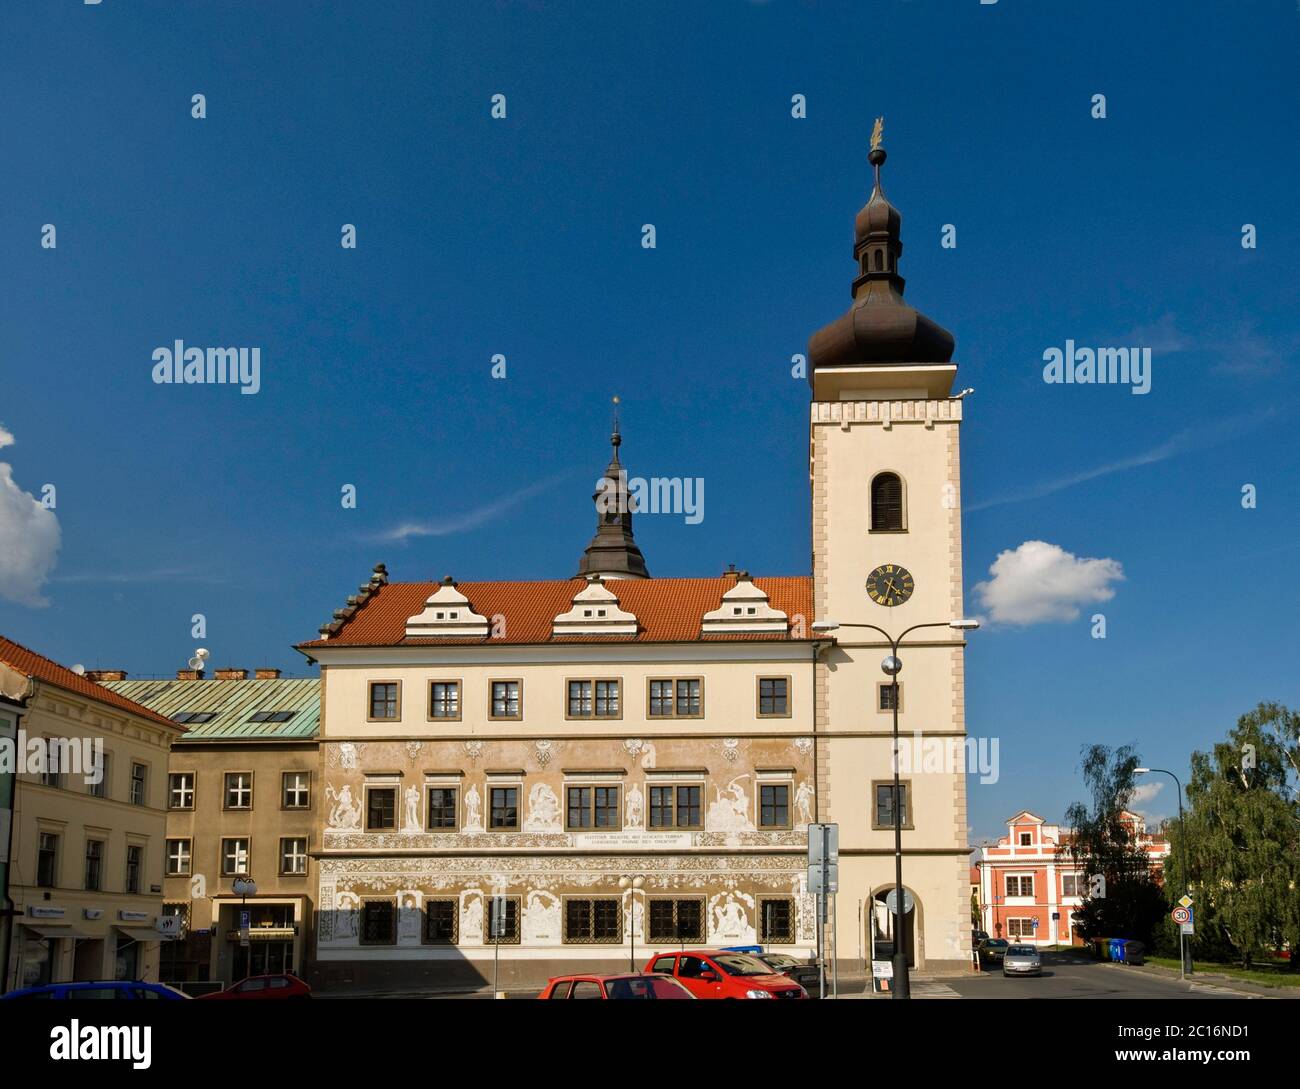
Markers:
(886, 502)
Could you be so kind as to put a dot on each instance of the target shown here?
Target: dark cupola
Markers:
(613, 553)
(879, 327)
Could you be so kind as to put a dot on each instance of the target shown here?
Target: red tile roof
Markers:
(667, 611)
(31, 664)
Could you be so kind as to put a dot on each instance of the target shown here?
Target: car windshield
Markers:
(995, 943)
(1022, 951)
(738, 964)
(646, 987)
(779, 960)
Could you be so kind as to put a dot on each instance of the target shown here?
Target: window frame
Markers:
(491, 703)
(455, 921)
(590, 809)
(509, 939)
(306, 862)
(676, 807)
(188, 856)
(591, 939)
(1018, 878)
(370, 788)
(674, 681)
(100, 789)
(758, 696)
(55, 852)
(396, 716)
(368, 901)
(905, 785)
(98, 886)
(193, 789)
(518, 788)
(284, 790)
(881, 688)
(138, 867)
(248, 856)
(226, 807)
(143, 782)
(784, 784)
(902, 503)
(768, 939)
(460, 700)
(428, 806)
(695, 939)
(595, 699)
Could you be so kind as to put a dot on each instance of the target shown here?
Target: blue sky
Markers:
(522, 237)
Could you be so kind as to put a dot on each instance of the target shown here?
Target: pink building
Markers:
(1026, 886)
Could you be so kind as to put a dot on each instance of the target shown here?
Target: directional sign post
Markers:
(823, 879)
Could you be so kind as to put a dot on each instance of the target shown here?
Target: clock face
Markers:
(890, 585)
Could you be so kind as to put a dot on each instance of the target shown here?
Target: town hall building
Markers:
(630, 763)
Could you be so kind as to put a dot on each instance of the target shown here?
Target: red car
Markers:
(284, 985)
(715, 973)
(621, 986)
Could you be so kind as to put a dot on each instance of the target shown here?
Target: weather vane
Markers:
(877, 133)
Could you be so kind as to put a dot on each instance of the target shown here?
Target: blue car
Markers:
(107, 988)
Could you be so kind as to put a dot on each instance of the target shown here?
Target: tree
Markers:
(1123, 897)
(1243, 836)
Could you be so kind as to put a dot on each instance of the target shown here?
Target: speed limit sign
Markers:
(1181, 915)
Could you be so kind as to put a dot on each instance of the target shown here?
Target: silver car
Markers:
(1022, 960)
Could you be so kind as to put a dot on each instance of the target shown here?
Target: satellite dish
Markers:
(79, 670)
(196, 662)
(202, 653)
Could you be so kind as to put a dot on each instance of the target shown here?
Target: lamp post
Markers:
(892, 666)
(245, 887)
(1184, 950)
(632, 883)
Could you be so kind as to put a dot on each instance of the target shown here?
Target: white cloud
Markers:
(1040, 582)
(29, 538)
(472, 519)
(1144, 792)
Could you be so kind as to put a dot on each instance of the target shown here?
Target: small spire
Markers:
(613, 551)
(616, 439)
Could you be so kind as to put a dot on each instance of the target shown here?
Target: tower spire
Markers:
(613, 552)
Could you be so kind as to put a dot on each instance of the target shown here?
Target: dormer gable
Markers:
(447, 613)
(595, 611)
(745, 608)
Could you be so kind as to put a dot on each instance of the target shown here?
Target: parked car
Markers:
(717, 973)
(1022, 960)
(614, 987)
(104, 988)
(802, 972)
(977, 936)
(991, 951)
(281, 985)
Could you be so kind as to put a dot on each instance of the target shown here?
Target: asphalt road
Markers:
(1069, 976)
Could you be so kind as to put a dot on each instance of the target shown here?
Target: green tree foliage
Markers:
(1123, 898)
(1243, 837)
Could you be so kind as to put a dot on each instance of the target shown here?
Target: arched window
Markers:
(879, 261)
(886, 502)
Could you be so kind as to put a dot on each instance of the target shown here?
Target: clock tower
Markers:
(886, 533)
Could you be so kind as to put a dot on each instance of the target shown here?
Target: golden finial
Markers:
(877, 133)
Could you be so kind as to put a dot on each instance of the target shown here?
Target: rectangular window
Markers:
(885, 696)
(138, 773)
(774, 805)
(381, 809)
(94, 864)
(443, 808)
(239, 790)
(505, 699)
(776, 920)
(134, 860)
(180, 790)
(378, 922)
(47, 859)
(444, 699)
(52, 773)
(1018, 929)
(884, 807)
(592, 922)
(293, 855)
(505, 808)
(100, 789)
(510, 929)
(440, 921)
(178, 858)
(679, 921)
(383, 700)
(675, 807)
(1020, 886)
(592, 807)
(774, 697)
(678, 698)
(1026, 839)
(1069, 884)
(295, 789)
(234, 857)
(594, 699)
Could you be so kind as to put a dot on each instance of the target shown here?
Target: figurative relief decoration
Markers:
(346, 811)
(633, 913)
(541, 925)
(411, 821)
(803, 799)
(413, 749)
(349, 904)
(805, 908)
(644, 750)
(473, 749)
(727, 916)
(731, 749)
(544, 750)
(730, 812)
(473, 811)
(635, 808)
(543, 810)
(803, 745)
(408, 917)
(471, 917)
(344, 755)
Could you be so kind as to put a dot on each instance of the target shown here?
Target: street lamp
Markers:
(244, 887)
(892, 667)
(1184, 950)
(632, 883)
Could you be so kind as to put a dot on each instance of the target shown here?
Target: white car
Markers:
(1022, 960)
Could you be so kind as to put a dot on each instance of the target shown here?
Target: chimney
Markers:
(266, 674)
(98, 675)
(229, 674)
(189, 674)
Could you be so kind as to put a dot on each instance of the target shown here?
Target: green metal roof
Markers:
(233, 703)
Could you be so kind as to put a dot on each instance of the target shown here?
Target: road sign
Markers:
(244, 921)
(1034, 922)
(830, 874)
(891, 901)
(1181, 915)
(823, 844)
(1185, 901)
(1188, 928)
